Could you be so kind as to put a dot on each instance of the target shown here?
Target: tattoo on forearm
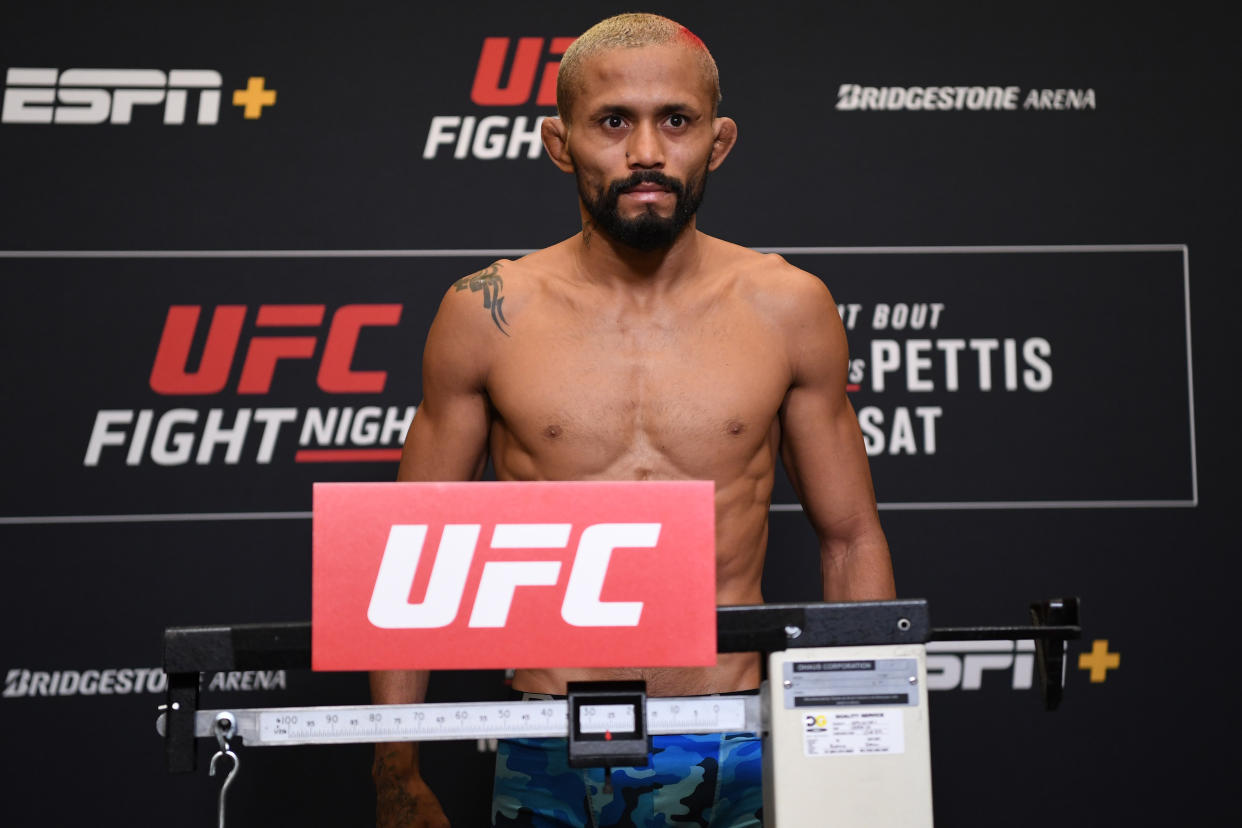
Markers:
(489, 282)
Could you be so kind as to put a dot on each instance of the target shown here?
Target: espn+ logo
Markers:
(581, 605)
(93, 96)
(184, 434)
(96, 96)
(511, 72)
(962, 665)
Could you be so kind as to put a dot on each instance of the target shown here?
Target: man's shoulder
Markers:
(503, 276)
(772, 284)
(501, 289)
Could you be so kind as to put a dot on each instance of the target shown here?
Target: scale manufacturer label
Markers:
(854, 732)
(884, 682)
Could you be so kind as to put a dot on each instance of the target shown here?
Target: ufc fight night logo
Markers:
(528, 66)
(241, 352)
(496, 575)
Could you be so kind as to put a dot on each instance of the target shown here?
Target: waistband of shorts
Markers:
(522, 695)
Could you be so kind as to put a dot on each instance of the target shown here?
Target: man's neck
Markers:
(606, 261)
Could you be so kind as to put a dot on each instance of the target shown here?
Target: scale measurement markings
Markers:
(424, 723)
(689, 715)
(606, 718)
(469, 720)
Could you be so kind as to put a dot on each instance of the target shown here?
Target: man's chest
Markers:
(691, 387)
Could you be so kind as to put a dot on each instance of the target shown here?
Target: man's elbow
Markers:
(857, 566)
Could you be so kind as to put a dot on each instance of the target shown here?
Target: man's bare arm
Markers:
(402, 798)
(447, 441)
(822, 448)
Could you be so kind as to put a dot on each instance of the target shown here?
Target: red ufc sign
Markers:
(171, 374)
(496, 575)
(523, 67)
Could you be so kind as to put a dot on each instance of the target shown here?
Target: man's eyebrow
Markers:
(630, 112)
(612, 109)
(677, 107)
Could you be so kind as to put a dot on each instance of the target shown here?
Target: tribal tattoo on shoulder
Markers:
(489, 282)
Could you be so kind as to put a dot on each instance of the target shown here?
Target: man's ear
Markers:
(555, 133)
(724, 136)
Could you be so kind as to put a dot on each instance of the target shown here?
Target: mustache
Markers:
(673, 185)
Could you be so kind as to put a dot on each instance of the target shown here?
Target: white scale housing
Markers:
(847, 742)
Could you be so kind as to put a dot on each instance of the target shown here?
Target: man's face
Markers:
(641, 140)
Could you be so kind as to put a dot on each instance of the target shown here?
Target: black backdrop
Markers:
(1092, 456)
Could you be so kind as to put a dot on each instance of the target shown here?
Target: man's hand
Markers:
(402, 798)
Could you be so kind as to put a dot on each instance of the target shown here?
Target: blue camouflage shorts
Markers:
(712, 781)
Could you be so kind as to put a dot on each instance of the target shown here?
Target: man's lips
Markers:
(646, 192)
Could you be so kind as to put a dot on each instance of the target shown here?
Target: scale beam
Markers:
(272, 726)
(766, 628)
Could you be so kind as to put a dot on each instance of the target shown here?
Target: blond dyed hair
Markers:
(628, 31)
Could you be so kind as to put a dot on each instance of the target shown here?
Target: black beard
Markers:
(647, 231)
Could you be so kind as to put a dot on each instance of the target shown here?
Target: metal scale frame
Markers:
(843, 711)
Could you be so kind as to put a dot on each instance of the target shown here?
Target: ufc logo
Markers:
(171, 375)
(95, 96)
(390, 607)
(527, 55)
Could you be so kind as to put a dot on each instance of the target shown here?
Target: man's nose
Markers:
(645, 150)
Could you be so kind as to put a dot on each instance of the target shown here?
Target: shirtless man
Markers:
(642, 349)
